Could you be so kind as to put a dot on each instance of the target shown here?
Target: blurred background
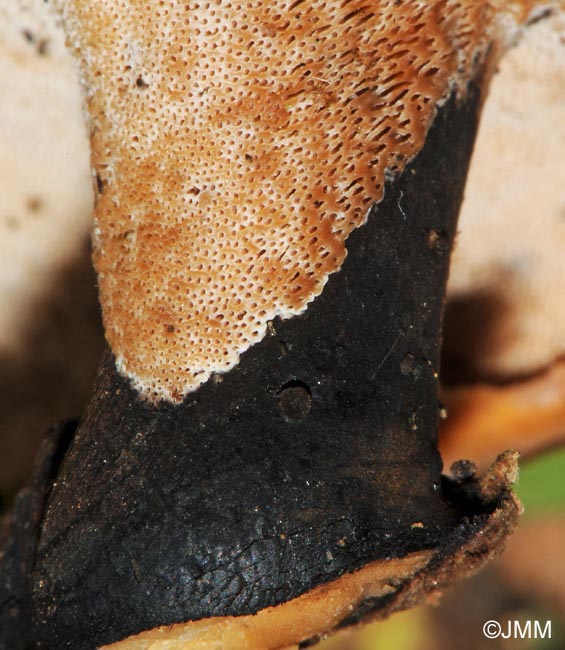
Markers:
(503, 369)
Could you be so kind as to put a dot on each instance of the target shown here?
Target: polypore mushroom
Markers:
(258, 462)
(235, 149)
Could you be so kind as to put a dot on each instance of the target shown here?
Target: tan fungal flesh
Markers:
(237, 144)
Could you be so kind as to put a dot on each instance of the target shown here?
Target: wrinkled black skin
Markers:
(311, 458)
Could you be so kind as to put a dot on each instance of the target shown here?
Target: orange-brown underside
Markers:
(526, 415)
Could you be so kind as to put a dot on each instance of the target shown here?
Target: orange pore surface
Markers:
(237, 144)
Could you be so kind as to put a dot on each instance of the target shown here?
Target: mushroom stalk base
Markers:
(373, 592)
(311, 461)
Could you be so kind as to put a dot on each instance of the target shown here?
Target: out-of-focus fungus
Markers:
(528, 415)
(503, 370)
(505, 313)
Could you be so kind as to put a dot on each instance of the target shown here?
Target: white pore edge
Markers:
(162, 394)
(155, 392)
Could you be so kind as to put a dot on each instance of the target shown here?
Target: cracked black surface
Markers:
(246, 496)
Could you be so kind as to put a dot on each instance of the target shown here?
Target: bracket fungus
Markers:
(277, 188)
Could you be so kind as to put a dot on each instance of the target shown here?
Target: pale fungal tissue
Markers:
(236, 144)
